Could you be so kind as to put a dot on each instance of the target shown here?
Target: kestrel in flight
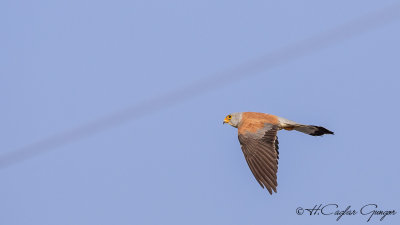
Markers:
(259, 143)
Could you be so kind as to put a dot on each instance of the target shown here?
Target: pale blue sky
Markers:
(64, 63)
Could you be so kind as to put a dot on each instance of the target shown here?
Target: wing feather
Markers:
(261, 154)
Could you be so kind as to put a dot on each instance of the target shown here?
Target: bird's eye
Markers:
(229, 116)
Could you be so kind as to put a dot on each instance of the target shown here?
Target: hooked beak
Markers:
(225, 121)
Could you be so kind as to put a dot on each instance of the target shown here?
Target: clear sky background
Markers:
(65, 63)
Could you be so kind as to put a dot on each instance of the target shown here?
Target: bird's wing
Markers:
(261, 152)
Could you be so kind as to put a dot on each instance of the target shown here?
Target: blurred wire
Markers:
(268, 61)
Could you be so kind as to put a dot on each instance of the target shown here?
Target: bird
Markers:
(257, 133)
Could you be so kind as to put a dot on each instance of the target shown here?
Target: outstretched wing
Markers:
(261, 152)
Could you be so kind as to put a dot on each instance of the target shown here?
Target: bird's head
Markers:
(233, 119)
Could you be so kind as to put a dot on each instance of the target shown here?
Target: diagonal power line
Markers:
(305, 47)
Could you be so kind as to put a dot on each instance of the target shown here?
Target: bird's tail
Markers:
(307, 129)
(312, 130)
